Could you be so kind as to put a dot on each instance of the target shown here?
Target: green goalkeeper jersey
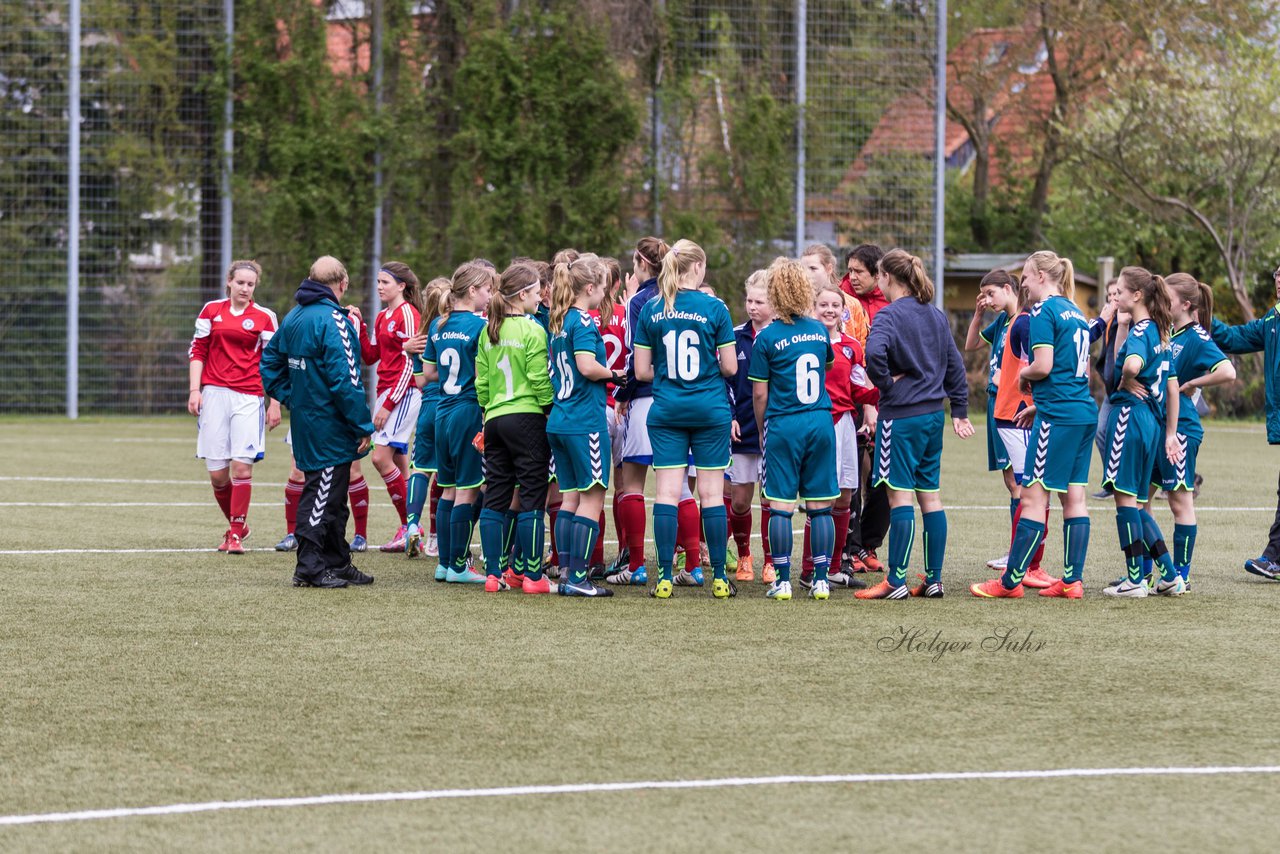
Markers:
(512, 375)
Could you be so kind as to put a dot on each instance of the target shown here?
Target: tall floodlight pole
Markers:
(228, 137)
(375, 261)
(802, 60)
(73, 217)
(940, 156)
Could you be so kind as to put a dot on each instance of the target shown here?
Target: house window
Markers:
(346, 10)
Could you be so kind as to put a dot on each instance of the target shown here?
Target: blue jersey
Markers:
(1194, 354)
(793, 359)
(688, 389)
(995, 335)
(1063, 397)
(452, 348)
(579, 403)
(1144, 343)
(430, 391)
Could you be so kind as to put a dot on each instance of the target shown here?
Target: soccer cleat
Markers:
(698, 577)
(226, 538)
(779, 590)
(512, 578)
(396, 543)
(433, 546)
(821, 591)
(993, 589)
(351, 575)
(852, 564)
(662, 590)
(844, 578)
(870, 561)
(883, 590)
(1126, 589)
(999, 563)
(1061, 590)
(731, 560)
(586, 589)
(328, 580)
(1263, 568)
(704, 557)
(1038, 579)
(467, 575)
(542, 585)
(685, 578)
(768, 574)
(1176, 587)
(596, 572)
(927, 589)
(1104, 494)
(413, 540)
(638, 577)
(621, 561)
(806, 579)
(359, 543)
(552, 570)
(495, 584)
(441, 571)
(722, 588)
(746, 571)
(234, 546)
(1146, 582)
(288, 544)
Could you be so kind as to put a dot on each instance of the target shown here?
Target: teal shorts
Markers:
(997, 455)
(909, 453)
(458, 463)
(1180, 475)
(1134, 450)
(678, 447)
(580, 461)
(800, 458)
(1058, 455)
(424, 438)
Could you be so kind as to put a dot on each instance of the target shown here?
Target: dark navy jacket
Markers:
(634, 389)
(740, 392)
(914, 340)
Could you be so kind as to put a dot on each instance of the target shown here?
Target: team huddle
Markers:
(509, 401)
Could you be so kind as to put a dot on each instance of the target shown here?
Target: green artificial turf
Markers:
(137, 679)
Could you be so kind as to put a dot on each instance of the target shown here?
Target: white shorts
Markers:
(847, 452)
(288, 437)
(1015, 442)
(232, 427)
(745, 468)
(635, 433)
(615, 435)
(400, 423)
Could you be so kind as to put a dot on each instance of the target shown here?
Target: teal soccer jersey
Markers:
(452, 347)
(1144, 342)
(1194, 354)
(430, 391)
(793, 359)
(995, 335)
(1063, 397)
(688, 390)
(579, 403)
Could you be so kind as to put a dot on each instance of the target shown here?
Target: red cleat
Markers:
(883, 590)
(993, 589)
(234, 546)
(871, 562)
(542, 585)
(494, 584)
(226, 538)
(513, 579)
(1060, 590)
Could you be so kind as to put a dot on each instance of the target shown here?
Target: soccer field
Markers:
(143, 669)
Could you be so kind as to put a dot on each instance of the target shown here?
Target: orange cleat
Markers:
(1061, 590)
(746, 572)
(513, 579)
(768, 574)
(542, 585)
(993, 589)
(871, 562)
(1039, 579)
(856, 564)
(927, 590)
(883, 590)
(494, 584)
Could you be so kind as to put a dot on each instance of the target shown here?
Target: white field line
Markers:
(592, 788)
(90, 479)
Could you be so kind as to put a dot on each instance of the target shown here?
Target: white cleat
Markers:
(1000, 563)
(1127, 589)
(780, 590)
(1171, 588)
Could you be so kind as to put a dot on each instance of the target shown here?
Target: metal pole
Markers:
(228, 137)
(657, 131)
(73, 217)
(940, 157)
(802, 60)
(375, 260)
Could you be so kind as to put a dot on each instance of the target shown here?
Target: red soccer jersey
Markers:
(615, 342)
(385, 345)
(847, 382)
(230, 345)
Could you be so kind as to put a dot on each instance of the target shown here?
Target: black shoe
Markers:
(327, 579)
(1104, 494)
(589, 590)
(597, 572)
(1262, 567)
(621, 562)
(351, 575)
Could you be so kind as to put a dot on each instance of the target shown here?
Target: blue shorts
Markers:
(997, 455)
(674, 447)
(909, 453)
(1134, 450)
(1181, 475)
(800, 456)
(1058, 455)
(458, 463)
(424, 438)
(580, 461)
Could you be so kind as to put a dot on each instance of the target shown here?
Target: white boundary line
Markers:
(584, 788)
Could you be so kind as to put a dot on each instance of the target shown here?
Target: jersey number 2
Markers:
(452, 362)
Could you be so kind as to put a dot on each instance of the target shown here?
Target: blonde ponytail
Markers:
(678, 261)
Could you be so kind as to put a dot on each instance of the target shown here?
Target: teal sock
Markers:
(564, 539)
(780, 542)
(460, 526)
(492, 523)
(509, 519)
(715, 528)
(1075, 547)
(1026, 539)
(444, 509)
(902, 537)
(1014, 503)
(935, 544)
(531, 532)
(822, 541)
(665, 526)
(1129, 527)
(415, 497)
(1153, 539)
(585, 532)
(1184, 544)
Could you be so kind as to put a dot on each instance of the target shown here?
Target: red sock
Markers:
(396, 487)
(617, 518)
(841, 518)
(807, 566)
(223, 495)
(292, 495)
(1039, 555)
(741, 528)
(358, 497)
(764, 527)
(597, 556)
(688, 532)
(631, 512)
(436, 492)
(553, 510)
(241, 492)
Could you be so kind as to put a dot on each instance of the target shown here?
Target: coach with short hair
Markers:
(312, 366)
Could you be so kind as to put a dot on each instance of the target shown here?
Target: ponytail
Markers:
(516, 279)
(570, 281)
(908, 270)
(433, 297)
(1155, 296)
(1068, 279)
(1204, 311)
(404, 274)
(472, 274)
(679, 260)
(1058, 270)
(1185, 288)
(561, 298)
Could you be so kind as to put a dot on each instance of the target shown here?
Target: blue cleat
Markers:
(441, 572)
(288, 544)
(465, 576)
(587, 589)
(359, 543)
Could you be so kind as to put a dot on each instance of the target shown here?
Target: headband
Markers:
(394, 276)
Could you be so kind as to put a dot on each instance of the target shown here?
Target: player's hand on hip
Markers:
(194, 402)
